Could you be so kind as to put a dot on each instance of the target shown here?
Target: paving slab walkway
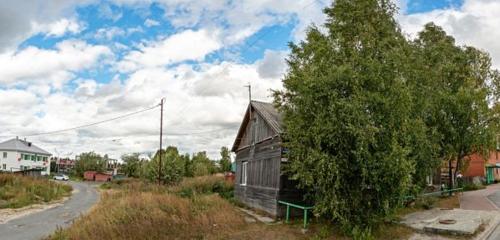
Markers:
(487, 199)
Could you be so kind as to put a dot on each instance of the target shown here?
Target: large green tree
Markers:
(89, 161)
(202, 165)
(172, 166)
(460, 85)
(131, 164)
(225, 161)
(347, 113)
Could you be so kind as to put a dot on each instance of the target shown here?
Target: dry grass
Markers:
(19, 191)
(135, 209)
(448, 202)
(153, 215)
(150, 215)
(392, 231)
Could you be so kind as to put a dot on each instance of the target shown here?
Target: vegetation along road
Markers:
(41, 224)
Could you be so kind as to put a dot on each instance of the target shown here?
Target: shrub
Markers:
(204, 185)
(472, 187)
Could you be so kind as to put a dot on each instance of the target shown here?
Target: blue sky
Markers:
(272, 37)
(73, 62)
(419, 6)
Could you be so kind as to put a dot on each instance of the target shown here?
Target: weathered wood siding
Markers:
(261, 149)
(263, 171)
(256, 131)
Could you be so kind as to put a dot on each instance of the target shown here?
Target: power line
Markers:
(92, 124)
(201, 132)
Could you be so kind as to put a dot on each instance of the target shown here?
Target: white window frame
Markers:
(244, 173)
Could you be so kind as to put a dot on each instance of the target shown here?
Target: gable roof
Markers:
(268, 112)
(19, 145)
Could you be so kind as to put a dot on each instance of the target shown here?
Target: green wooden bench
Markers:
(304, 208)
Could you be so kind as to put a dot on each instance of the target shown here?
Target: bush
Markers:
(190, 187)
(425, 202)
(472, 187)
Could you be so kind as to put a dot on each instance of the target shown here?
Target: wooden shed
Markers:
(260, 182)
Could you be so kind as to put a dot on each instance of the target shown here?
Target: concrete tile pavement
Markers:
(485, 199)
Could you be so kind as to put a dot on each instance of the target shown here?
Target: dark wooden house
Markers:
(260, 181)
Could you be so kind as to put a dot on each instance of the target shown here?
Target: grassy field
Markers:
(198, 208)
(19, 191)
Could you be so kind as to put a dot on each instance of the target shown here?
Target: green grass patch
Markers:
(20, 191)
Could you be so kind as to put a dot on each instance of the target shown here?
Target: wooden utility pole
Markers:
(161, 141)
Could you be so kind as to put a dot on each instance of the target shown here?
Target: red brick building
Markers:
(477, 165)
(98, 177)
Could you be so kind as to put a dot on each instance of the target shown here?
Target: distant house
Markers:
(97, 176)
(20, 155)
(260, 182)
(63, 165)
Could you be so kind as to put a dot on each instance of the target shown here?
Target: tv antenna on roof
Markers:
(249, 86)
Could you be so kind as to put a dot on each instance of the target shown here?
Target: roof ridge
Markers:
(259, 101)
(16, 144)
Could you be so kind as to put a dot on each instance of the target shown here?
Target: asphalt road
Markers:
(41, 224)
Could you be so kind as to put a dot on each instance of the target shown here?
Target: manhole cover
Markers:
(447, 221)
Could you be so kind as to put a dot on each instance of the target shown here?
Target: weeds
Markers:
(154, 215)
(19, 191)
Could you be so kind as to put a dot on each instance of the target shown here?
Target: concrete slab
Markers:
(467, 226)
(260, 218)
(466, 222)
(495, 198)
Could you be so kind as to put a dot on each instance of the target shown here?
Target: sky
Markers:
(70, 63)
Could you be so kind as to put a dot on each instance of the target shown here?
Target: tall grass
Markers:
(155, 215)
(19, 191)
(196, 208)
(188, 187)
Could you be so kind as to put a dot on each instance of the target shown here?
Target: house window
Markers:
(244, 173)
(33, 158)
(44, 158)
(26, 157)
(39, 158)
(4, 166)
(4, 154)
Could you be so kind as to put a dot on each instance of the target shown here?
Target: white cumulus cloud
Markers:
(182, 46)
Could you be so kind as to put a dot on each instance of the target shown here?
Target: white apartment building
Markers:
(17, 155)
